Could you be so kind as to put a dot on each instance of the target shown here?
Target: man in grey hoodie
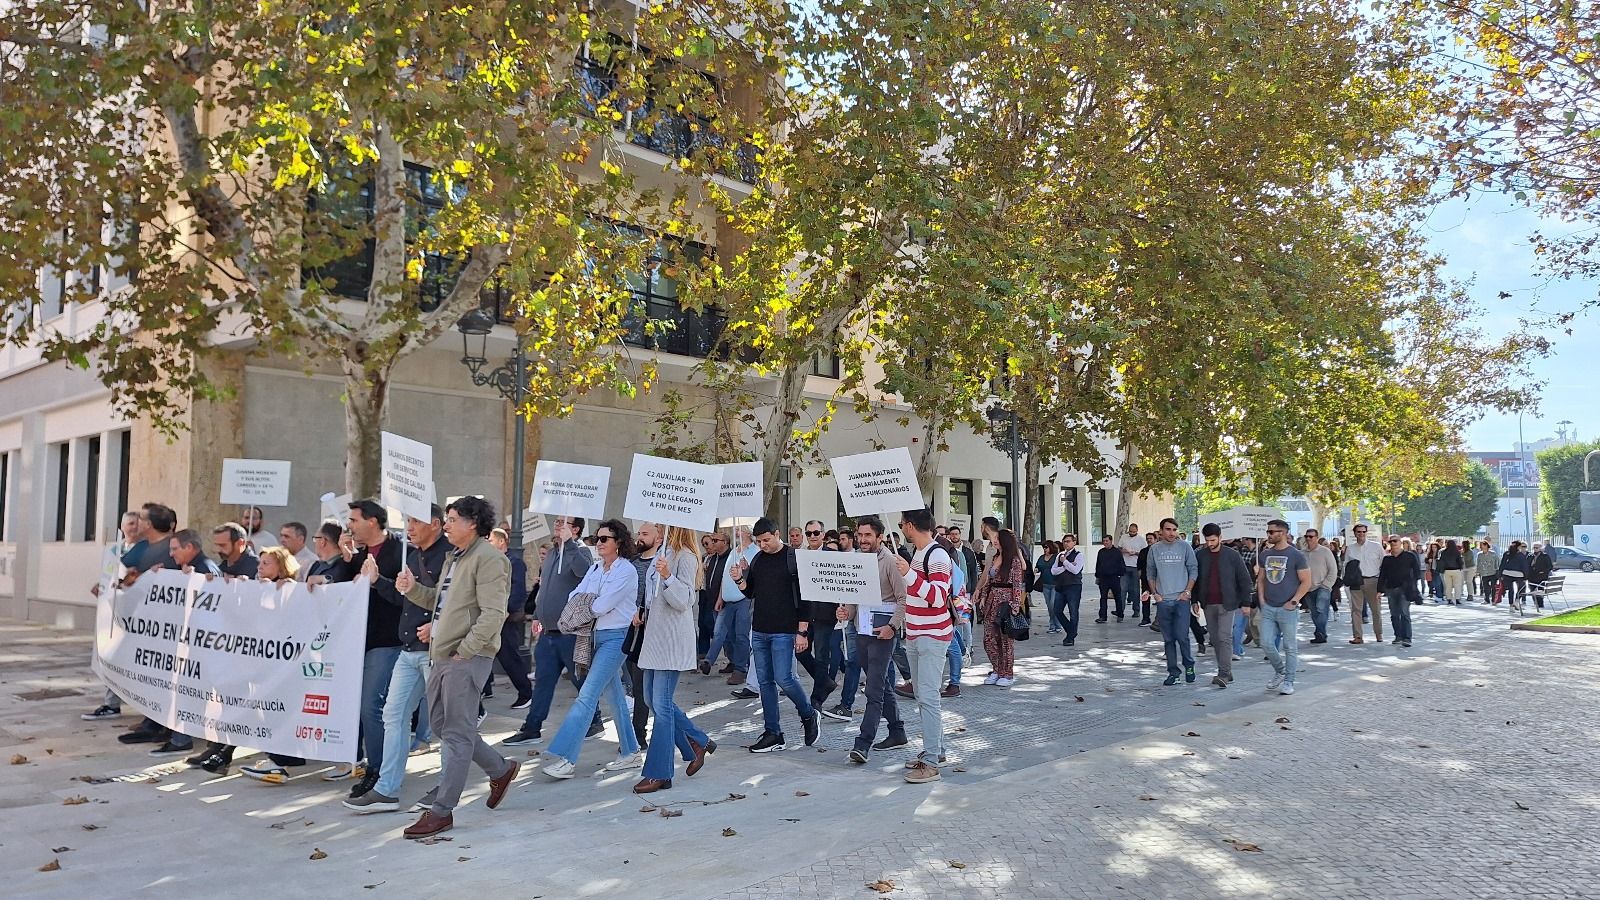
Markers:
(1170, 573)
(561, 573)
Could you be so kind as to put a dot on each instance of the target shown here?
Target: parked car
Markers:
(1569, 558)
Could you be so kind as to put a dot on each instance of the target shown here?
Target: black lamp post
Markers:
(511, 380)
(998, 416)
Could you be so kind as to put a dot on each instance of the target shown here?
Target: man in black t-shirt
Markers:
(779, 623)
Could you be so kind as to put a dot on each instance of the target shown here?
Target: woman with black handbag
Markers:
(999, 605)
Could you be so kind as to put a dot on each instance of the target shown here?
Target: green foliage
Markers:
(1560, 480)
(1458, 508)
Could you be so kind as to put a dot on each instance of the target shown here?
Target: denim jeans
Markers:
(958, 649)
(672, 727)
(733, 633)
(604, 670)
(1130, 590)
(1174, 617)
(1050, 607)
(774, 658)
(705, 623)
(1400, 614)
(1318, 600)
(852, 665)
(552, 653)
(1280, 622)
(1068, 597)
(1241, 621)
(876, 657)
(376, 670)
(408, 684)
(927, 657)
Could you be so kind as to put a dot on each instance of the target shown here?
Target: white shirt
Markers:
(1130, 545)
(261, 540)
(616, 590)
(305, 558)
(1369, 554)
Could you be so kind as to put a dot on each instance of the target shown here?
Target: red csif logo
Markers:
(315, 704)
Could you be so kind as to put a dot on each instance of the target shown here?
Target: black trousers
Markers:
(817, 659)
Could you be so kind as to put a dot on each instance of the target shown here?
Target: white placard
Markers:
(881, 481)
(535, 528)
(335, 508)
(255, 482)
(963, 523)
(407, 482)
(243, 662)
(674, 492)
(570, 489)
(829, 576)
(743, 492)
(1242, 521)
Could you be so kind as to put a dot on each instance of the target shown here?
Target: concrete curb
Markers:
(1537, 625)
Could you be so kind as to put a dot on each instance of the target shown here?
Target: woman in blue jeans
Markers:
(613, 585)
(669, 650)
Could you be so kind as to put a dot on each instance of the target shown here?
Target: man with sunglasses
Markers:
(1364, 600)
(1283, 578)
(819, 659)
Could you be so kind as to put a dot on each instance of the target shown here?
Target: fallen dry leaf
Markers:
(1243, 846)
(1188, 753)
(1078, 698)
(882, 886)
(1146, 797)
(735, 796)
(90, 827)
(463, 859)
(1284, 728)
(318, 854)
(60, 849)
(958, 768)
(1191, 734)
(373, 886)
(17, 759)
(436, 839)
(647, 809)
(802, 794)
(957, 865)
(50, 752)
(670, 813)
(728, 832)
(1518, 805)
(75, 801)
(1282, 720)
(1236, 757)
(1197, 703)
(53, 865)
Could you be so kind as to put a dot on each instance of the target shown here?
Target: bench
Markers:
(1541, 593)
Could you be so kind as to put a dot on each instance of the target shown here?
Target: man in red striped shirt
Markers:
(928, 631)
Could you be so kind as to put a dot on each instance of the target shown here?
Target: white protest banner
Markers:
(407, 481)
(963, 523)
(535, 528)
(876, 482)
(336, 508)
(1242, 521)
(674, 492)
(570, 489)
(828, 576)
(247, 663)
(255, 482)
(743, 492)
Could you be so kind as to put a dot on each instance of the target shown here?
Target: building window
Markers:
(124, 464)
(1000, 502)
(1097, 516)
(657, 320)
(825, 363)
(961, 497)
(60, 467)
(91, 488)
(5, 491)
(1038, 519)
(1069, 511)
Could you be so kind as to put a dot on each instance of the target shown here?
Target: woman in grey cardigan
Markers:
(669, 651)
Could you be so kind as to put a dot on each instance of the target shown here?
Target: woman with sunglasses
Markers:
(613, 583)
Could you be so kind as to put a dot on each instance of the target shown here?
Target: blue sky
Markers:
(1485, 241)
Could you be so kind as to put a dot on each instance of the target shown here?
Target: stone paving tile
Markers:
(1465, 779)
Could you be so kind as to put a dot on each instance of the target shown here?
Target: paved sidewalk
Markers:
(1399, 774)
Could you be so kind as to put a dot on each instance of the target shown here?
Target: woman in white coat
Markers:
(668, 651)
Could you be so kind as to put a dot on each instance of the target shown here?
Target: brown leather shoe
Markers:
(950, 690)
(700, 752)
(429, 825)
(651, 785)
(736, 677)
(1357, 641)
(497, 786)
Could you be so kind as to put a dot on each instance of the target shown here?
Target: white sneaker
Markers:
(1005, 682)
(992, 679)
(624, 763)
(1275, 683)
(1287, 688)
(560, 769)
(1237, 657)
